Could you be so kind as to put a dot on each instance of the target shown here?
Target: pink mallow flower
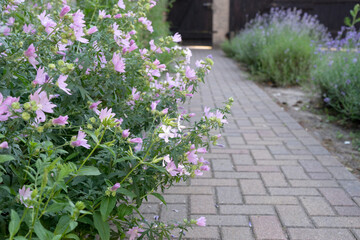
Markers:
(125, 133)
(118, 62)
(190, 73)
(92, 30)
(4, 145)
(115, 187)
(121, 4)
(47, 22)
(25, 194)
(167, 133)
(4, 107)
(62, 85)
(80, 140)
(134, 233)
(201, 221)
(31, 55)
(61, 120)
(102, 14)
(28, 28)
(106, 113)
(65, 10)
(176, 37)
(94, 106)
(43, 104)
(135, 140)
(41, 76)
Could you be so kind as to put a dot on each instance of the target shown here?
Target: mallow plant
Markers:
(90, 124)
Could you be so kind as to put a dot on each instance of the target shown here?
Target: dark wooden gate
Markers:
(331, 13)
(193, 20)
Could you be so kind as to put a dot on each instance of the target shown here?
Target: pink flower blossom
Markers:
(135, 94)
(31, 55)
(192, 157)
(41, 77)
(152, 4)
(94, 106)
(43, 105)
(121, 4)
(198, 172)
(102, 14)
(5, 30)
(106, 113)
(92, 30)
(171, 168)
(61, 120)
(201, 150)
(134, 233)
(201, 222)
(176, 37)
(125, 133)
(190, 73)
(47, 22)
(118, 62)
(147, 23)
(205, 168)
(80, 140)
(5, 105)
(62, 85)
(25, 194)
(64, 11)
(136, 140)
(78, 26)
(153, 47)
(10, 21)
(28, 28)
(4, 145)
(167, 133)
(115, 187)
(165, 111)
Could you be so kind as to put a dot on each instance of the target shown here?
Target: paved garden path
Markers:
(272, 180)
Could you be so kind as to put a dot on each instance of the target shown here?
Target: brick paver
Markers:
(271, 180)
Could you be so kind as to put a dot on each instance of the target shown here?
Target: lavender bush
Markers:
(89, 121)
(279, 45)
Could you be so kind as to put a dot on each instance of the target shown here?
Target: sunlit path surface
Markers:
(271, 180)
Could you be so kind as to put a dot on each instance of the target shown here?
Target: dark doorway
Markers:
(193, 20)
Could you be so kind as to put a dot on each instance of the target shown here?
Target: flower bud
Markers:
(51, 66)
(26, 116)
(34, 193)
(92, 120)
(61, 63)
(40, 129)
(15, 105)
(80, 205)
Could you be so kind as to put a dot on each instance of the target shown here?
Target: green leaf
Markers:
(126, 192)
(124, 210)
(123, 159)
(41, 232)
(57, 237)
(56, 207)
(20, 238)
(65, 225)
(102, 227)
(92, 135)
(109, 149)
(72, 236)
(14, 224)
(347, 21)
(107, 205)
(6, 158)
(88, 171)
(160, 197)
(71, 156)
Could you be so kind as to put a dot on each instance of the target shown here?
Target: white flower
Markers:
(167, 133)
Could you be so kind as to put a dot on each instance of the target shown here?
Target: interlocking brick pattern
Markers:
(271, 180)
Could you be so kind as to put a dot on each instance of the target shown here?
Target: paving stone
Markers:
(173, 213)
(348, 211)
(235, 140)
(313, 183)
(278, 150)
(318, 150)
(272, 200)
(293, 216)
(319, 234)
(237, 175)
(338, 222)
(237, 233)
(224, 220)
(261, 154)
(202, 233)
(320, 176)
(294, 172)
(341, 173)
(149, 208)
(222, 165)
(247, 209)
(277, 162)
(229, 195)
(317, 206)
(337, 196)
(329, 161)
(252, 187)
(241, 159)
(274, 180)
(267, 227)
(351, 187)
(257, 168)
(288, 191)
(213, 182)
(312, 166)
(204, 204)
(190, 190)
